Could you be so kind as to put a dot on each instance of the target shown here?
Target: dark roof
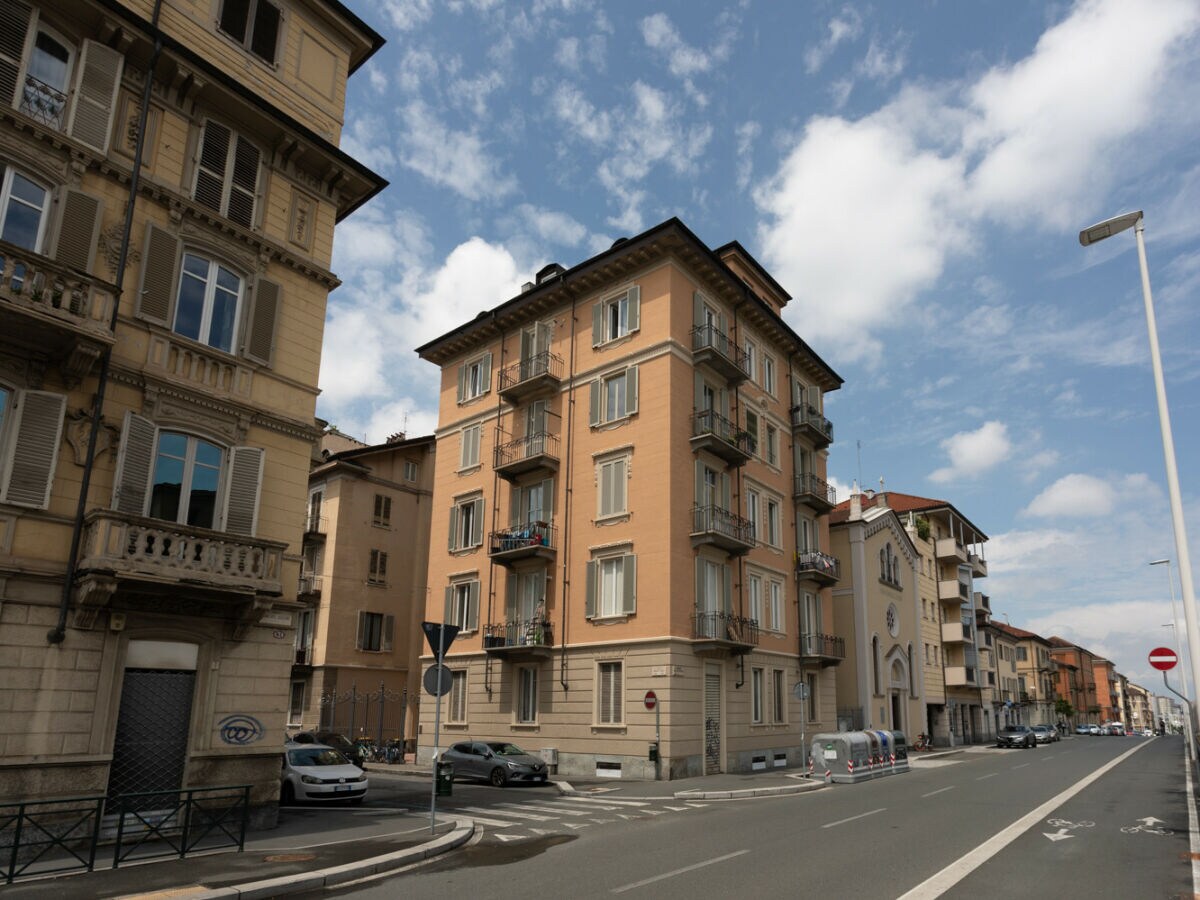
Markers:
(754, 264)
(1019, 633)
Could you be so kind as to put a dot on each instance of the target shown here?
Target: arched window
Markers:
(23, 205)
(47, 80)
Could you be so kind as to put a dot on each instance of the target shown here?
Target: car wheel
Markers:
(287, 795)
(498, 778)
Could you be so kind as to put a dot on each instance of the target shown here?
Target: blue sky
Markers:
(914, 174)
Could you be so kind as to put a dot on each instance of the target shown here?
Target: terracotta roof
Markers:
(1020, 633)
(901, 503)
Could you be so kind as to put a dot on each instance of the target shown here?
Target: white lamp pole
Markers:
(1099, 232)
(1174, 616)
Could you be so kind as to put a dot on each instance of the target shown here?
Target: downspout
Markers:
(487, 660)
(58, 633)
(800, 611)
(568, 493)
(741, 563)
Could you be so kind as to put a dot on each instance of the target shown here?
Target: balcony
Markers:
(959, 676)
(715, 350)
(315, 525)
(815, 493)
(950, 550)
(819, 567)
(60, 311)
(719, 527)
(720, 437)
(531, 540)
(955, 633)
(302, 662)
(527, 639)
(538, 451)
(808, 422)
(43, 103)
(176, 566)
(826, 649)
(723, 633)
(530, 377)
(953, 589)
(310, 586)
(978, 564)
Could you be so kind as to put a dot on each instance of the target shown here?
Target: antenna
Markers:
(858, 445)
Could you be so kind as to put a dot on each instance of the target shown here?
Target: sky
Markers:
(915, 174)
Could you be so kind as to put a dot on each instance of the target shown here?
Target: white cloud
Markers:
(551, 226)
(974, 452)
(417, 67)
(1085, 496)
(361, 140)
(472, 93)
(574, 110)
(846, 26)
(880, 63)
(747, 135)
(455, 159)
(408, 14)
(683, 60)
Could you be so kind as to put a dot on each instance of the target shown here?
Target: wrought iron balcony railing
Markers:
(713, 347)
(537, 450)
(815, 491)
(719, 526)
(819, 566)
(528, 374)
(822, 646)
(807, 419)
(522, 633)
(725, 628)
(43, 103)
(523, 541)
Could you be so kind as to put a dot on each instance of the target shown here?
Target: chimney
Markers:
(855, 503)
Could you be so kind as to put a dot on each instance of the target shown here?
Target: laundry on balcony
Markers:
(532, 534)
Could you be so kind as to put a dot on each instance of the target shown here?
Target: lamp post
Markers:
(1099, 232)
(1174, 614)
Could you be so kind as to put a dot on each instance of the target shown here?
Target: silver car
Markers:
(1043, 734)
(496, 761)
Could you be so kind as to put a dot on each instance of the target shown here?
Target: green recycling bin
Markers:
(444, 779)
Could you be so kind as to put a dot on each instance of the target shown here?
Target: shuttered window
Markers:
(466, 524)
(778, 697)
(472, 436)
(47, 79)
(254, 24)
(610, 690)
(475, 378)
(375, 632)
(227, 174)
(615, 317)
(456, 710)
(14, 25)
(756, 696)
(611, 479)
(614, 396)
(527, 690)
(383, 511)
(32, 422)
(23, 205)
(377, 570)
(187, 476)
(462, 605)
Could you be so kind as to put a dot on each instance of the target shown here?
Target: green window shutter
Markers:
(548, 499)
(135, 459)
(511, 586)
(487, 372)
(473, 607)
(448, 611)
(634, 305)
(244, 484)
(37, 430)
(597, 323)
(629, 593)
(631, 390)
(727, 589)
(210, 173)
(362, 627)
(453, 527)
(514, 511)
(389, 627)
(159, 260)
(477, 524)
(78, 231)
(594, 404)
(462, 382)
(698, 401)
(589, 607)
(96, 83)
(261, 322)
(14, 23)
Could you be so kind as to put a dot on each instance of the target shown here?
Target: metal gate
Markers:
(150, 749)
(712, 720)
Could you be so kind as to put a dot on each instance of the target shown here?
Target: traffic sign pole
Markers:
(437, 728)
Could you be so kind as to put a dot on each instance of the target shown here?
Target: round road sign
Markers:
(1163, 658)
(437, 680)
(651, 700)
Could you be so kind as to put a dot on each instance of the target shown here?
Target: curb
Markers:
(463, 830)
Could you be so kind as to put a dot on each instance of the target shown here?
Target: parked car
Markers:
(320, 772)
(496, 761)
(1094, 729)
(1043, 734)
(1016, 736)
(356, 753)
(1083, 729)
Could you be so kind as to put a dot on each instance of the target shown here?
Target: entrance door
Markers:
(712, 719)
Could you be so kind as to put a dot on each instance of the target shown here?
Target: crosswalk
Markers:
(515, 821)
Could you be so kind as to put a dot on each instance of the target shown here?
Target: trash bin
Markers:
(444, 779)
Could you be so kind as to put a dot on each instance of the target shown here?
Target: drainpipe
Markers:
(568, 493)
(741, 563)
(487, 660)
(58, 633)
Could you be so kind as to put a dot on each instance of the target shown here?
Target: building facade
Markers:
(1035, 675)
(157, 392)
(630, 497)
(1076, 680)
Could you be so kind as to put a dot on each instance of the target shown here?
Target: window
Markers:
(208, 301)
(752, 431)
(47, 79)
(778, 697)
(614, 396)
(611, 481)
(752, 359)
(772, 444)
(227, 174)
(616, 317)
(466, 524)
(410, 470)
(475, 378)
(610, 687)
(774, 526)
(768, 374)
(753, 509)
(813, 702)
(1022, 654)
(374, 632)
(22, 210)
(296, 704)
(527, 687)
(472, 437)
(812, 614)
(456, 709)
(756, 696)
(754, 586)
(377, 573)
(383, 511)
(775, 592)
(462, 605)
(612, 586)
(254, 24)
(187, 474)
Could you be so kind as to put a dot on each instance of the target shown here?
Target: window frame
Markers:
(771, 442)
(476, 381)
(472, 524)
(612, 713)
(622, 603)
(769, 380)
(753, 418)
(773, 516)
(183, 509)
(610, 484)
(382, 517)
(411, 471)
(247, 41)
(73, 54)
(778, 697)
(754, 588)
(456, 706)
(296, 711)
(774, 601)
(471, 437)
(814, 708)
(525, 690)
(753, 510)
(377, 568)
(626, 305)
(375, 631)
(625, 398)
(757, 687)
(6, 201)
(215, 266)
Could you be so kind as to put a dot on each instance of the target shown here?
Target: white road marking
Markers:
(495, 823)
(852, 818)
(942, 881)
(612, 800)
(492, 811)
(1193, 831)
(982, 777)
(1060, 835)
(672, 874)
(938, 791)
(588, 806)
(557, 810)
(1021, 766)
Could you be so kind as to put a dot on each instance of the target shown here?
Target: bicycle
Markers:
(923, 742)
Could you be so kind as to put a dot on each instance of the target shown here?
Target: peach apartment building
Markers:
(1076, 679)
(630, 496)
(157, 396)
(1035, 674)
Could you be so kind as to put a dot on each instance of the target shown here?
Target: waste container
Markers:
(444, 779)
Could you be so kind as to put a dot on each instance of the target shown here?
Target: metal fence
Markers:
(379, 715)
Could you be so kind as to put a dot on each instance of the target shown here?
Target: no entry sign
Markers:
(651, 700)
(1163, 658)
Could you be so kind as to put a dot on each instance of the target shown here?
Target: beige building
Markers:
(630, 497)
(157, 398)
(362, 580)
(1001, 689)
(877, 615)
(1035, 675)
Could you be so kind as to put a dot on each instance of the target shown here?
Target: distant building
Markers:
(1035, 674)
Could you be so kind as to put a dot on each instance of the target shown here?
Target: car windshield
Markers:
(317, 756)
(500, 748)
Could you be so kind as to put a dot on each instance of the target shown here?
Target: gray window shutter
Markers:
(511, 586)
(487, 372)
(629, 594)
(241, 496)
(700, 582)
(99, 76)
(635, 308)
(135, 459)
(462, 382)
(243, 187)
(527, 344)
(362, 627)
(214, 157)
(541, 337)
(78, 230)
(726, 499)
(447, 615)
(598, 323)
(514, 512)
(594, 404)
(260, 330)
(589, 607)
(389, 627)
(697, 309)
(477, 524)
(727, 589)
(548, 499)
(159, 259)
(14, 23)
(699, 482)
(473, 607)
(453, 527)
(631, 390)
(37, 430)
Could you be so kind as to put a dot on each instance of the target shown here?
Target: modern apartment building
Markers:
(362, 583)
(878, 617)
(631, 499)
(1035, 674)
(1002, 695)
(157, 395)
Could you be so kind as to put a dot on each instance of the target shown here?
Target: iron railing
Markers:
(310, 583)
(725, 627)
(720, 521)
(707, 421)
(544, 363)
(817, 563)
(824, 645)
(521, 537)
(540, 443)
(42, 102)
(47, 837)
(808, 484)
(709, 337)
(314, 523)
(518, 633)
(807, 417)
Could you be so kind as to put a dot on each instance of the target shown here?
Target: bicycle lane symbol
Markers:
(1064, 826)
(1147, 827)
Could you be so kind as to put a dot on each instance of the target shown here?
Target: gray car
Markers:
(496, 761)
(1043, 733)
(1016, 736)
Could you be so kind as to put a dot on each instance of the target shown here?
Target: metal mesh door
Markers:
(712, 722)
(150, 749)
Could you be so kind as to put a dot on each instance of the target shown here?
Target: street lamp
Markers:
(1099, 232)
(1174, 615)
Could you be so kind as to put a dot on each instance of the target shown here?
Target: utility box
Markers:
(443, 779)
(549, 756)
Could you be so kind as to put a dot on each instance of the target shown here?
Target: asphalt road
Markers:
(1009, 823)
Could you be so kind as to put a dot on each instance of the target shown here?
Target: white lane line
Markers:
(1021, 766)
(942, 881)
(1193, 832)
(938, 791)
(982, 777)
(591, 806)
(591, 800)
(557, 810)
(1044, 758)
(664, 875)
(852, 818)
(492, 811)
(496, 823)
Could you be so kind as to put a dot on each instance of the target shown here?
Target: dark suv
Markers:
(356, 753)
(1016, 736)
